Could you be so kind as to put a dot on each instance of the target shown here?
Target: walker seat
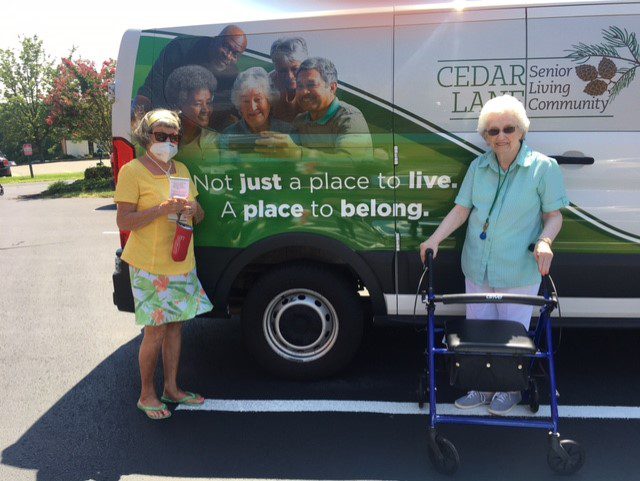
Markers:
(483, 336)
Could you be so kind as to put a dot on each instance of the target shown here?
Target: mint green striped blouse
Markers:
(533, 185)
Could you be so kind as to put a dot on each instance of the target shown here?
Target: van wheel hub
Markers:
(300, 325)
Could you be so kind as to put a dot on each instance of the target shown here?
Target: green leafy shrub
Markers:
(62, 188)
(89, 185)
(58, 188)
(98, 172)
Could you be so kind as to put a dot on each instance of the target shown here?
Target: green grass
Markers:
(41, 178)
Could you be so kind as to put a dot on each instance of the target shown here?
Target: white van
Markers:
(309, 249)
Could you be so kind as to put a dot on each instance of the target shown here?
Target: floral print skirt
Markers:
(162, 299)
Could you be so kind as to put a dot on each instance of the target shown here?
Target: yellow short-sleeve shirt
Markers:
(149, 247)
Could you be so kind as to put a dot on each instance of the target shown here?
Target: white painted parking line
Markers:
(146, 477)
(399, 408)
(111, 232)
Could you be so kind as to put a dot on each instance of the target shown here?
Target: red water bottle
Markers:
(181, 241)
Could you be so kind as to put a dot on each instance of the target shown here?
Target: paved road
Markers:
(70, 382)
(56, 167)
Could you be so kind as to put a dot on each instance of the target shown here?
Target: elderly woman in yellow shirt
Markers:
(166, 292)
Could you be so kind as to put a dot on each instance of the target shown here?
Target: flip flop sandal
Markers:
(148, 409)
(185, 400)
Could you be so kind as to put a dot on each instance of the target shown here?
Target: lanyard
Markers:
(483, 234)
(165, 172)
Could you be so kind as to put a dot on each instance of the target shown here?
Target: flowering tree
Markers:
(80, 103)
(25, 79)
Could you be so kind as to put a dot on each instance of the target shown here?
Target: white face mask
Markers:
(163, 151)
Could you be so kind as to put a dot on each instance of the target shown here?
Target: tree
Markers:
(24, 82)
(80, 103)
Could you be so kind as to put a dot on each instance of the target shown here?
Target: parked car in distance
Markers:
(5, 166)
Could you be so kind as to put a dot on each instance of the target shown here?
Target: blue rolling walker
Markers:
(488, 355)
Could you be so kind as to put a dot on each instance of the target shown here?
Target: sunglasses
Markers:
(495, 131)
(162, 137)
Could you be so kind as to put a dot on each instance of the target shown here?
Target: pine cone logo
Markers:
(587, 72)
(606, 68)
(599, 79)
(596, 87)
(617, 58)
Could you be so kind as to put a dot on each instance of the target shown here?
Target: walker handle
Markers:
(429, 265)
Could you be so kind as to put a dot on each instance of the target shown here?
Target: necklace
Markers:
(165, 172)
(483, 234)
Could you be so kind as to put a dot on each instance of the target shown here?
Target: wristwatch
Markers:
(545, 239)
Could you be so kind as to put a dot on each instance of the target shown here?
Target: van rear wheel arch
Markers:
(280, 250)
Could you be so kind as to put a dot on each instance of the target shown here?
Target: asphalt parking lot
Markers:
(70, 383)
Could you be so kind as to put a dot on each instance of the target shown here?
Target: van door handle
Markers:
(563, 159)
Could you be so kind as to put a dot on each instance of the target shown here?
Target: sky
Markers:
(96, 28)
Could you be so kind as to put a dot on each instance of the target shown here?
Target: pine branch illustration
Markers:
(615, 37)
(583, 52)
(622, 83)
(618, 38)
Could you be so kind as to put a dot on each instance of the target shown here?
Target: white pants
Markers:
(507, 312)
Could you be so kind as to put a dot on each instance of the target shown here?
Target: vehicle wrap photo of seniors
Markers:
(327, 127)
(253, 94)
(217, 54)
(190, 90)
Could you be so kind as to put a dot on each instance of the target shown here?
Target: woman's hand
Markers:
(188, 211)
(277, 145)
(430, 243)
(198, 212)
(192, 210)
(544, 256)
(172, 206)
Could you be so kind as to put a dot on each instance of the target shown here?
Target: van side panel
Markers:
(416, 81)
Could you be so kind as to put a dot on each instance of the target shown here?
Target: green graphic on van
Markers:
(334, 176)
(619, 45)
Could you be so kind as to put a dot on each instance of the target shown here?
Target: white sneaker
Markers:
(473, 399)
(503, 402)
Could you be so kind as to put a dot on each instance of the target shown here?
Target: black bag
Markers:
(487, 372)
(488, 354)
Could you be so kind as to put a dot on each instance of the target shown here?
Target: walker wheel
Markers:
(443, 455)
(534, 396)
(569, 463)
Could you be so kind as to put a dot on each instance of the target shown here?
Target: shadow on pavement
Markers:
(110, 206)
(95, 432)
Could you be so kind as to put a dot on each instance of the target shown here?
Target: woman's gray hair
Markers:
(255, 78)
(504, 104)
(324, 66)
(184, 81)
(154, 118)
(291, 49)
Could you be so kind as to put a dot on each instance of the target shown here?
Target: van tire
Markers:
(316, 321)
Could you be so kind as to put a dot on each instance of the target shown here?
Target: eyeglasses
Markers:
(162, 137)
(495, 131)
